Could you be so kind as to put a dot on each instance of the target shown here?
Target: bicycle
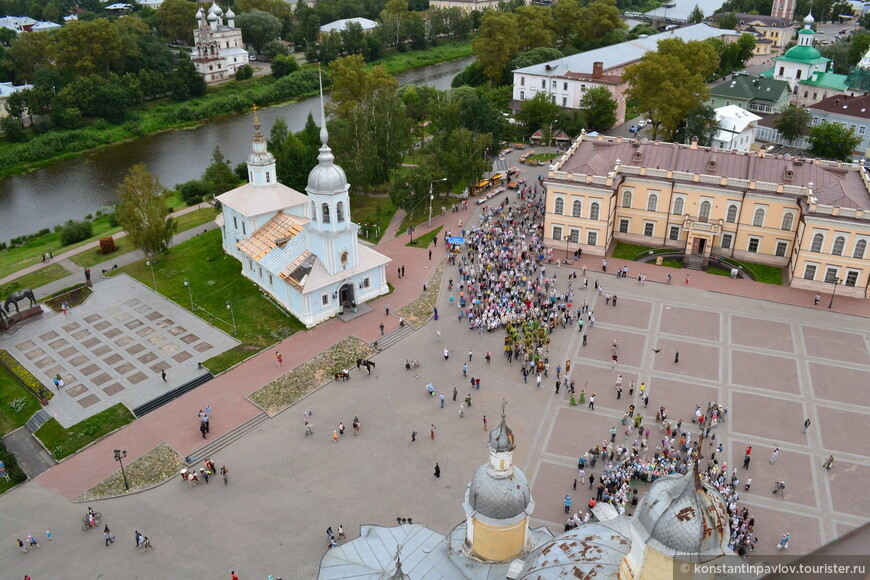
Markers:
(87, 524)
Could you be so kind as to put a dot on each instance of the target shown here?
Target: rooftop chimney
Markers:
(761, 151)
(597, 70)
(694, 142)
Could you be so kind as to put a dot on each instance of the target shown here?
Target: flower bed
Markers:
(416, 313)
(24, 376)
(304, 379)
(155, 467)
(73, 297)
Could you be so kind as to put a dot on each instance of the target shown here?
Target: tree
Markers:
(30, 52)
(352, 83)
(696, 15)
(536, 22)
(258, 28)
(175, 20)
(219, 175)
(496, 44)
(372, 138)
(597, 20)
(700, 123)
(833, 141)
(566, 21)
(352, 37)
(392, 16)
(89, 47)
(275, 48)
(599, 108)
(538, 112)
(186, 82)
(283, 66)
(670, 82)
(143, 213)
(793, 122)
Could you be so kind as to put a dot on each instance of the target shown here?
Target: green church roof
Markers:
(803, 54)
(833, 81)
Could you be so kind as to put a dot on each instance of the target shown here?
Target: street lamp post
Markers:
(834, 291)
(153, 277)
(233, 314)
(432, 197)
(190, 293)
(119, 456)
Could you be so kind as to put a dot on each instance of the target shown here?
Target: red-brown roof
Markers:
(603, 79)
(858, 107)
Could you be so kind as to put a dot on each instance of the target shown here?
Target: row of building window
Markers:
(832, 275)
(838, 246)
(860, 130)
(324, 298)
(679, 206)
(574, 236)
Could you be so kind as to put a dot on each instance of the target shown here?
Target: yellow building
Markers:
(811, 217)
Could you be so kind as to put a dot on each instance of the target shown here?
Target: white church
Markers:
(301, 249)
(218, 48)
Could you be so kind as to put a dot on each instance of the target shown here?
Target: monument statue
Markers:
(16, 297)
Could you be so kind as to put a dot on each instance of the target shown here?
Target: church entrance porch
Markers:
(346, 296)
(348, 314)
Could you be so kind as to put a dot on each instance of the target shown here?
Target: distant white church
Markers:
(218, 48)
(301, 249)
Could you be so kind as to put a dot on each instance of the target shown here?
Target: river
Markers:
(74, 188)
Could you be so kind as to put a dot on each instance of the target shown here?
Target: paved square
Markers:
(82, 348)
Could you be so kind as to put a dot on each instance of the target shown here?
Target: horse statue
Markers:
(3, 313)
(17, 297)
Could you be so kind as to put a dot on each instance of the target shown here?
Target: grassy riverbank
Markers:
(226, 99)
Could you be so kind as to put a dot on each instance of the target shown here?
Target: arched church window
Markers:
(339, 211)
(325, 213)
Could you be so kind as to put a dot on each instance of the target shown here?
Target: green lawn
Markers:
(426, 239)
(672, 264)
(17, 404)
(16, 475)
(764, 273)
(36, 279)
(373, 214)
(625, 251)
(542, 157)
(397, 62)
(420, 214)
(216, 278)
(64, 442)
(718, 271)
(89, 258)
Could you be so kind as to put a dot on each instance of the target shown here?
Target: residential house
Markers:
(773, 31)
(17, 23)
(566, 79)
(6, 90)
(850, 112)
(756, 94)
(809, 216)
(468, 5)
(736, 128)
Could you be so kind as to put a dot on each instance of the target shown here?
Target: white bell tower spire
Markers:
(261, 163)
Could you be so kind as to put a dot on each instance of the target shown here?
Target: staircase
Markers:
(37, 420)
(212, 447)
(695, 262)
(393, 337)
(167, 397)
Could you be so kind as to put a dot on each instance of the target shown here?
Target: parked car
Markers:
(642, 122)
(634, 129)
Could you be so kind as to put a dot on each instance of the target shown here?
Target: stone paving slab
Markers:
(85, 346)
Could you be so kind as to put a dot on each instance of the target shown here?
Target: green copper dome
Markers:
(803, 53)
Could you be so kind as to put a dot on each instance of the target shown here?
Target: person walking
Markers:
(341, 535)
(203, 429)
(413, 436)
(107, 533)
(163, 375)
(277, 358)
(138, 537)
(224, 472)
(382, 328)
(806, 425)
(746, 461)
(676, 357)
(783, 541)
(613, 434)
(49, 536)
(441, 397)
(592, 401)
(591, 480)
(446, 354)
(32, 541)
(827, 464)
(356, 426)
(437, 470)
(455, 392)
(21, 546)
(432, 432)
(146, 543)
(567, 503)
(387, 309)
(774, 456)
(817, 299)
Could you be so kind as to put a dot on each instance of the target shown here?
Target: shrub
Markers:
(30, 382)
(2, 246)
(43, 232)
(74, 232)
(15, 472)
(245, 72)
